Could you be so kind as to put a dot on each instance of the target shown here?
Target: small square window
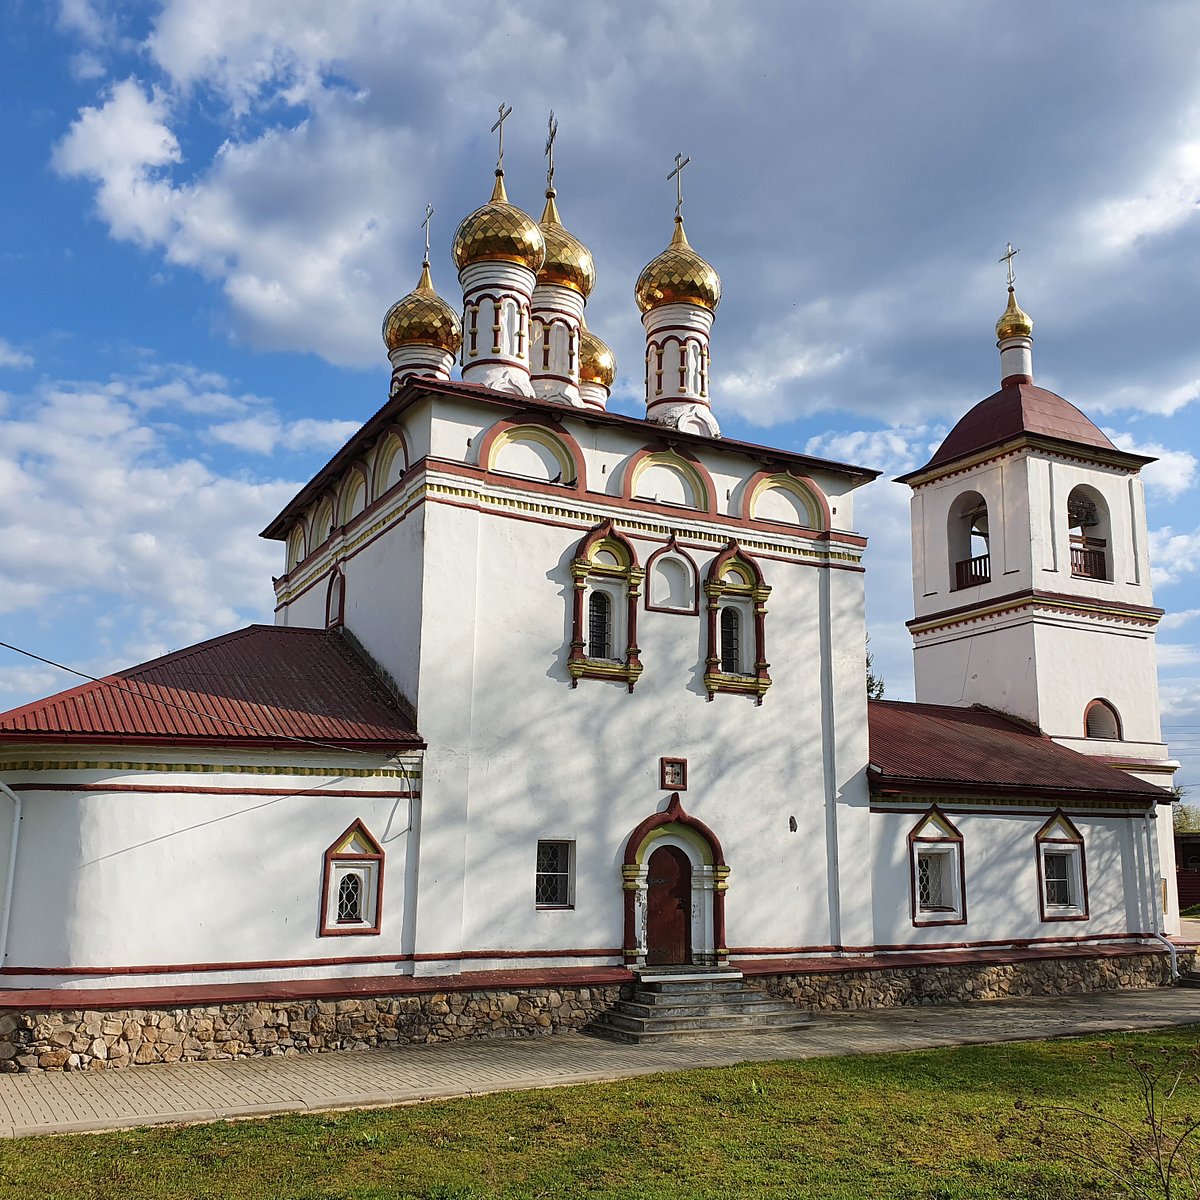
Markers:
(554, 877)
(672, 774)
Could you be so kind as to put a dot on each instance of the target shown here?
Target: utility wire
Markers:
(118, 687)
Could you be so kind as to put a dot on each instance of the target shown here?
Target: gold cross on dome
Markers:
(1008, 258)
(425, 224)
(552, 133)
(677, 175)
(505, 113)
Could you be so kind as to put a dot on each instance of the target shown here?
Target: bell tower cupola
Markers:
(1031, 573)
(678, 293)
(498, 250)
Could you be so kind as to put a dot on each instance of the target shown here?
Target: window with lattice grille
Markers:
(553, 880)
(731, 641)
(599, 625)
(353, 883)
(931, 883)
(350, 898)
(938, 894)
(1062, 870)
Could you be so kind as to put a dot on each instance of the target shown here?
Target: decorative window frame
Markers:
(800, 487)
(547, 433)
(392, 446)
(335, 599)
(748, 591)
(672, 774)
(355, 483)
(297, 545)
(1059, 836)
(622, 580)
(569, 902)
(936, 834)
(1111, 709)
(673, 550)
(688, 466)
(343, 858)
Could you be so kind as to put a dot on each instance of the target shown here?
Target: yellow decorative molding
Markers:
(206, 768)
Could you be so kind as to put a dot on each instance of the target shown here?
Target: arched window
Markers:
(1087, 518)
(735, 586)
(295, 545)
(335, 600)
(1101, 720)
(349, 899)
(599, 625)
(968, 540)
(731, 641)
(671, 586)
(604, 604)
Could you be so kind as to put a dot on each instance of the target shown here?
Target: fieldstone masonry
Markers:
(889, 987)
(96, 1039)
(73, 1040)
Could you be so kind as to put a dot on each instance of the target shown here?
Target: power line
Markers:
(118, 687)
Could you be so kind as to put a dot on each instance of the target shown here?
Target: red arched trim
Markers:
(707, 487)
(335, 599)
(318, 537)
(673, 814)
(1100, 702)
(733, 552)
(569, 444)
(675, 551)
(391, 433)
(359, 468)
(818, 496)
(604, 532)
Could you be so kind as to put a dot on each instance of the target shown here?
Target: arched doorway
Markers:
(668, 907)
(674, 880)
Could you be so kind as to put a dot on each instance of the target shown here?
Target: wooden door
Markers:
(668, 907)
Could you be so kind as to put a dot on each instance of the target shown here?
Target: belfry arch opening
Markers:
(969, 541)
(1091, 538)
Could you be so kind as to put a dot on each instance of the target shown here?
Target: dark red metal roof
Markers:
(977, 750)
(262, 685)
(1019, 409)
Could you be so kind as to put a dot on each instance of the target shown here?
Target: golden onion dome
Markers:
(568, 261)
(678, 276)
(1013, 321)
(422, 317)
(596, 361)
(499, 232)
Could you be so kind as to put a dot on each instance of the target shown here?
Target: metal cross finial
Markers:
(552, 133)
(505, 113)
(677, 175)
(425, 223)
(1007, 258)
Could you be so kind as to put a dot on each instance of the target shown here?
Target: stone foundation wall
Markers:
(48, 1040)
(960, 982)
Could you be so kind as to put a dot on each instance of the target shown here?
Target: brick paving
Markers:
(209, 1091)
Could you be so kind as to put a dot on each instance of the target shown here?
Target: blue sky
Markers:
(209, 205)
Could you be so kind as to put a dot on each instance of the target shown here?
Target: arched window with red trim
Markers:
(737, 608)
(607, 583)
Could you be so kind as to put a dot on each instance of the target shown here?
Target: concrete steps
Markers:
(676, 1005)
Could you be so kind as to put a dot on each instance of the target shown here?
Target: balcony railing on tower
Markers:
(972, 571)
(1087, 558)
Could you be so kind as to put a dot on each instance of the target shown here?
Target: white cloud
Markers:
(10, 356)
(265, 433)
(1177, 654)
(123, 146)
(1173, 473)
(1166, 401)
(1174, 620)
(1173, 555)
(1165, 198)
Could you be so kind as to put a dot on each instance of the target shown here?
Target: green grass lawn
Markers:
(939, 1124)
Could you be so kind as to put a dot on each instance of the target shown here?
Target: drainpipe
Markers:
(6, 911)
(1160, 915)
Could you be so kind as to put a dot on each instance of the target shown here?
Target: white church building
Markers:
(556, 695)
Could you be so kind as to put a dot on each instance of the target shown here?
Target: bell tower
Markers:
(1031, 576)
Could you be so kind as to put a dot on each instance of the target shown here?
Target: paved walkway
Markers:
(208, 1091)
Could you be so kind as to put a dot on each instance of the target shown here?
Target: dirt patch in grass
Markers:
(941, 1124)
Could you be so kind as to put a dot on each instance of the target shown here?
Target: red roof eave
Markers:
(895, 785)
(51, 738)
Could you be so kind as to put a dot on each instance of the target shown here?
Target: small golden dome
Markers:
(568, 261)
(1013, 322)
(499, 232)
(678, 276)
(596, 361)
(422, 317)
